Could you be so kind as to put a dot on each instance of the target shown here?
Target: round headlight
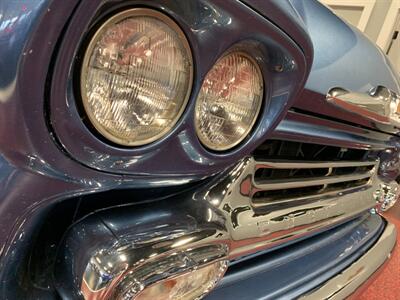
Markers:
(136, 77)
(229, 101)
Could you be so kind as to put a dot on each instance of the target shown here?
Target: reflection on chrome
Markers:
(257, 223)
(346, 282)
(386, 195)
(235, 215)
(379, 105)
(120, 274)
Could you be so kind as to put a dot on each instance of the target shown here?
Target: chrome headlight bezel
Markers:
(114, 19)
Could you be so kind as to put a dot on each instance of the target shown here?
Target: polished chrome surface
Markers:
(284, 164)
(254, 225)
(386, 195)
(126, 269)
(223, 221)
(118, 273)
(327, 183)
(280, 184)
(306, 181)
(379, 105)
(346, 282)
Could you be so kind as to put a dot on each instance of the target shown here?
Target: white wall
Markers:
(378, 19)
(394, 51)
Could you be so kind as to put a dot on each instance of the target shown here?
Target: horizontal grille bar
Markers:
(291, 182)
(271, 204)
(284, 164)
(279, 184)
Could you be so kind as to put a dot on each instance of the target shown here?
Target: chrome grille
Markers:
(288, 190)
(288, 150)
(275, 180)
(286, 172)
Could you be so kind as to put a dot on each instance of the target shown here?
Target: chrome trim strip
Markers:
(284, 164)
(280, 184)
(301, 127)
(345, 283)
(252, 230)
(267, 204)
(378, 105)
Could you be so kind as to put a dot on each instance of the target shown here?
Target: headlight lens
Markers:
(229, 101)
(136, 77)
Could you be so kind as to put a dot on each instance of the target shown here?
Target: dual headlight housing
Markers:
(136, 79)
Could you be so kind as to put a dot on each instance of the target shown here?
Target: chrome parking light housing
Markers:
(119, 274)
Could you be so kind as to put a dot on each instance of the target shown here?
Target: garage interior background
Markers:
(378, 19)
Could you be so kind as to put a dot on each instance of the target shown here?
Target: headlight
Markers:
(229, 101)
(136, 77)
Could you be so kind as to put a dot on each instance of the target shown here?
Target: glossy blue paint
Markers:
(35, 172)
(204, 23)
(300, 268)
(311, 129)
(343, 56)
(47, 154)
(286, 17)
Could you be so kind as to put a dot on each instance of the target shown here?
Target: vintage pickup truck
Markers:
(173, 149)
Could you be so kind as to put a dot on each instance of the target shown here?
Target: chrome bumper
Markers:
(346, 283)
(220, 219)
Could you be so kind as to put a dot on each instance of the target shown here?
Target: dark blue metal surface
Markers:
(288, 273)
(343, 56)
(284, 15)
(221, 24)
(36, 172)
(316, 104)
(311, 129)
(38, 43)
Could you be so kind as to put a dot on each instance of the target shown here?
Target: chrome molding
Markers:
(255, 226)
(380, 105)
(346, 282)
(119, 273)
(280, 184)
(222, 222)
(282, 164)
(157, 248)
(387, 195)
